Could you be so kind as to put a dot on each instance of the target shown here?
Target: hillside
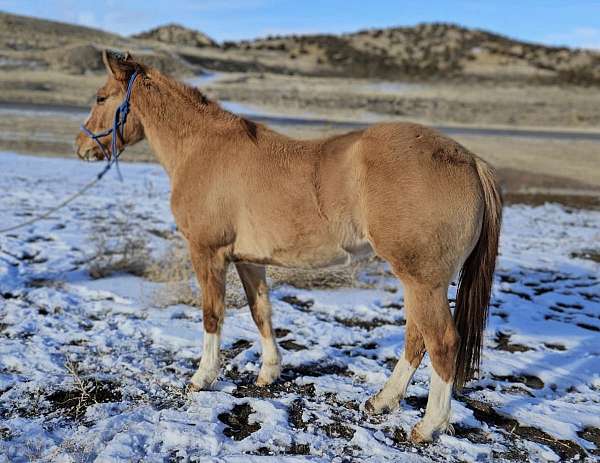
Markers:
(430, 51)
(424, 52)
(443, 73)
(35, 44)
(24, 33)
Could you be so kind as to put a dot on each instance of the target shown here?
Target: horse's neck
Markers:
(169, 117)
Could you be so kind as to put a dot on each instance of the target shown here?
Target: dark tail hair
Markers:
(476, 278)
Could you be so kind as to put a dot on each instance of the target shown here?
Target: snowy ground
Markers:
(94, 370)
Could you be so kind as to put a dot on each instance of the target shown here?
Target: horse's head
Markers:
(120, 68)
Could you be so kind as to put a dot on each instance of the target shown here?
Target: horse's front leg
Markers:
(211, 269)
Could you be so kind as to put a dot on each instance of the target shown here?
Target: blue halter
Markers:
(116, 130)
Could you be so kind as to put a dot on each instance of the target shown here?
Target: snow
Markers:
(53, 314)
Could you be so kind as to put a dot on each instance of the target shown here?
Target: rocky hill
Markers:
(421, 53)
(176, 34)
(429, 51)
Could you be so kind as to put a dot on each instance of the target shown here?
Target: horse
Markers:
(242, 193)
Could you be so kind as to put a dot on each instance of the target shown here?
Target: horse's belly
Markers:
(310, 256)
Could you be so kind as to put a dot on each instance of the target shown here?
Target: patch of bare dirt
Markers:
(484, 412)
(290, 344)
(238, 427)
(314, 369)
(588, 254)
(246, 387)
(503, 343)
(528, 380)
(338, 430)
(74, 402)
(296, 415)
(237, 348)
(591, 435)
(303, 305)
(369, 324)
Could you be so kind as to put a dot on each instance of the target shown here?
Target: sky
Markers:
(573, 23)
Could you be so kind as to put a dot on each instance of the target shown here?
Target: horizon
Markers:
(259, 18)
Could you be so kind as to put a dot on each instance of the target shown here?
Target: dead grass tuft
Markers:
(174, 265)
(174, 269)
(83, 392)
(118, 247)
(329, 278)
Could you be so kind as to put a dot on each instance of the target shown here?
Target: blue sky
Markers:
(568, 22)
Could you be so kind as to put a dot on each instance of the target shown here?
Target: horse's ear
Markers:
(119, 65)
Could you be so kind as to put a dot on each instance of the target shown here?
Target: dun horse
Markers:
(244, 194)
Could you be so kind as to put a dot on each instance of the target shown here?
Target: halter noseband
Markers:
(117, 129)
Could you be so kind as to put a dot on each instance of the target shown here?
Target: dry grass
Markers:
(443, 103)
(174, 265)
(550, 163)
(118, 248)
(328, 278)
(174, 269)
(48, 87)
(82, 390)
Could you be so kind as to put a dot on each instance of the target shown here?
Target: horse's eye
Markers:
(100, 99)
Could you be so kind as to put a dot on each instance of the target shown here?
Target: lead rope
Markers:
(117, 130)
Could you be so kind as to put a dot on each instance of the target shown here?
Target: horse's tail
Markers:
(476, 277)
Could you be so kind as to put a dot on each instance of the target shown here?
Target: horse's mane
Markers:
(191, 93)
(197, 98)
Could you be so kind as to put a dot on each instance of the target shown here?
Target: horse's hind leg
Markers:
(255, 284)
(427, 306)
(393, 392)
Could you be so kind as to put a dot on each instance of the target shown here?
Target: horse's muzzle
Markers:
(89, 153)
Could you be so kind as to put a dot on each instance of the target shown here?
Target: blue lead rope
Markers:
(116, 130)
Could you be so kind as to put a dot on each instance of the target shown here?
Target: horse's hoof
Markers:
(373, 409)
(202, 381)
(417, 436)
(193, 388)
(268, 375)
(420, 434)
(369, 407)
(197, 387)
(377, 405)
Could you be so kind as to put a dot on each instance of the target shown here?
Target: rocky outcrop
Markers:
(175, 34)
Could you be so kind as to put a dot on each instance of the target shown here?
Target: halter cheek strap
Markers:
(116, 130)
